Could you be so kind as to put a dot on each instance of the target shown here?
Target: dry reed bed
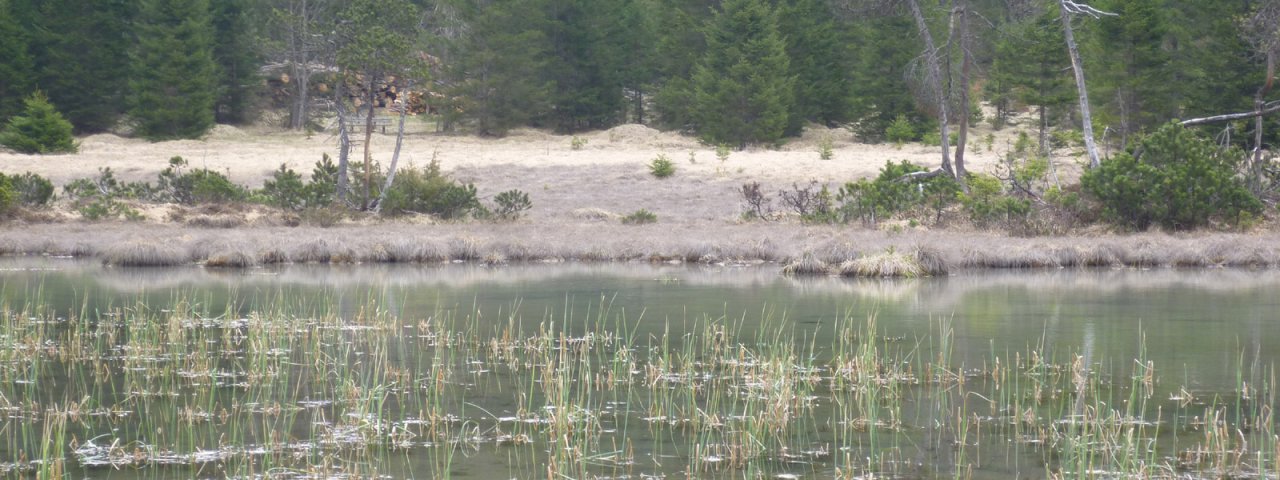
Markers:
(805, 250)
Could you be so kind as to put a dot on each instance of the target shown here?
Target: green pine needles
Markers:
(742, 89)
(175, 81)
(39, 129)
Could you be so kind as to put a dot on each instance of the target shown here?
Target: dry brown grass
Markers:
(144, 253)
(889, 263)
(935, 252)
(807, 264)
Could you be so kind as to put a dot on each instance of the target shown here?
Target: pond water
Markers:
(633, 371)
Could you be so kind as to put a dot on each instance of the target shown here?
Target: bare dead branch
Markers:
(1271, 107)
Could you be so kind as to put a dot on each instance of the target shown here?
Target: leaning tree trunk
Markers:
(961, 141)
(933, 76)
(395, 157)
(1082, 92)
(344, 140)
(368, 136)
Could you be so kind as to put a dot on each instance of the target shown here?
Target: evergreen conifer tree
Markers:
(820, 61)
(585, 63)
(1030, 63)
(16, 67)
(236, 53)
(81, 50)
(492, 79)
(742, 87)
(39, 129)
(1135, 72)
(882, 93)
(174, 76)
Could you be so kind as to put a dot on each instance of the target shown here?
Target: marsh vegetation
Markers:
(635, 373)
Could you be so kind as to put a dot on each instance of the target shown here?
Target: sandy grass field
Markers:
(578, 194)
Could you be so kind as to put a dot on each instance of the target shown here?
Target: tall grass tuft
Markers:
(890, 263)
(807, 264)
(143, 253)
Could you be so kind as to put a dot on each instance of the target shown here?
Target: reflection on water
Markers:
(1205, 329)
(1190, 318)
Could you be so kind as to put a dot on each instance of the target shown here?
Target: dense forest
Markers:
(734, 72)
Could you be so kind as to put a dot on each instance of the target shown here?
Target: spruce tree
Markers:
(39, 129)
(882, 93)
(16, 67)
(821, 62)
(491, 81)
(174, 76)
(1135, 71)
(1030, 64)
(679, 47)
(236, 52)
(584, 65)
(742, 87)
(81, 50)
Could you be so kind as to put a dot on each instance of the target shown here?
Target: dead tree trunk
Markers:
(933, 77)
(1068, 8)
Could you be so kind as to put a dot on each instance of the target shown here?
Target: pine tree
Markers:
(174, 76)
(820, 61)
(490, 79)
(236, 53)
(584, 64)
(80, 48)
(882, 93)
(16, 67)
(742, 87)
(1031, 64)
(1135, 72)
(39, 129)
(680, 45)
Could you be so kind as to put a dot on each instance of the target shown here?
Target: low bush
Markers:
(428, 191)
(900, 131)
(32, 190)
(988, 205)
(196, 186)
(39, 129)
(640, 217)
(8, 196)
(285, 189)
(1173, 179)
(662, 167)
(509, 205)
(891, 194)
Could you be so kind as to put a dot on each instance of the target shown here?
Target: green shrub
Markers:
(826, 148)
(662, 167)
(509, 205)
(722, 152)
(285, 189)
(32, 190)
(323, 189)
(99, 198)
(195, 187)
(639, 217)
(872, 201)
(428, 191)
(988, 205)
(900, 131)
(1173, 179)
(577, 143)
(39, 129)
(8, 195)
